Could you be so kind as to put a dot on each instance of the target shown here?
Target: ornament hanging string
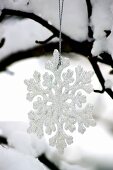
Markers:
(61, 5)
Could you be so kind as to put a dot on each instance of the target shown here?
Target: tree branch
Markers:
(44, 23)
(36, 18)
(47, 162)
(89, 8)
(81, 48)
(44, 49)
(93, 60)
(100, 77)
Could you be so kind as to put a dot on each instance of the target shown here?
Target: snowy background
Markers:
(94, 149)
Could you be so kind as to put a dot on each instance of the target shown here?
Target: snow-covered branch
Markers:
(42, 158)
(84, 47)
(36, 18)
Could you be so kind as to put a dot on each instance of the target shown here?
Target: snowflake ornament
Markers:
(57, 101)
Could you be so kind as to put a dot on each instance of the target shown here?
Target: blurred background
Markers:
(27, 41)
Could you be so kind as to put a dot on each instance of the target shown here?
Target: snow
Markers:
(89, 151)
(15, 4)
(109, 44)
(11, 127)
(15, 41)
(66, 166)
(99, 46)
(11, 159)
(93, 149)
(103, 45)
(104, 10)
(85, 150)
(27, 144)
(18, 138)
(108, 83)
(75, 14)
(104, 21)
(75, 20)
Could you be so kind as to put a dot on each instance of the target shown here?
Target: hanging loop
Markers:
(61, 5)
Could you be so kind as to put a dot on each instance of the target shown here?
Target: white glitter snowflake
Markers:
(56, 110)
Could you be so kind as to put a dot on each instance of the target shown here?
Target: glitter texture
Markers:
(58, 96)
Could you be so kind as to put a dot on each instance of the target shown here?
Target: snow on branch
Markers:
(34, 17)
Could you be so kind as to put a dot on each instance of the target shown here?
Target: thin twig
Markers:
(45, 41)
(99, 91)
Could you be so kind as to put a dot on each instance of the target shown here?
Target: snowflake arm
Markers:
(85, 118)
